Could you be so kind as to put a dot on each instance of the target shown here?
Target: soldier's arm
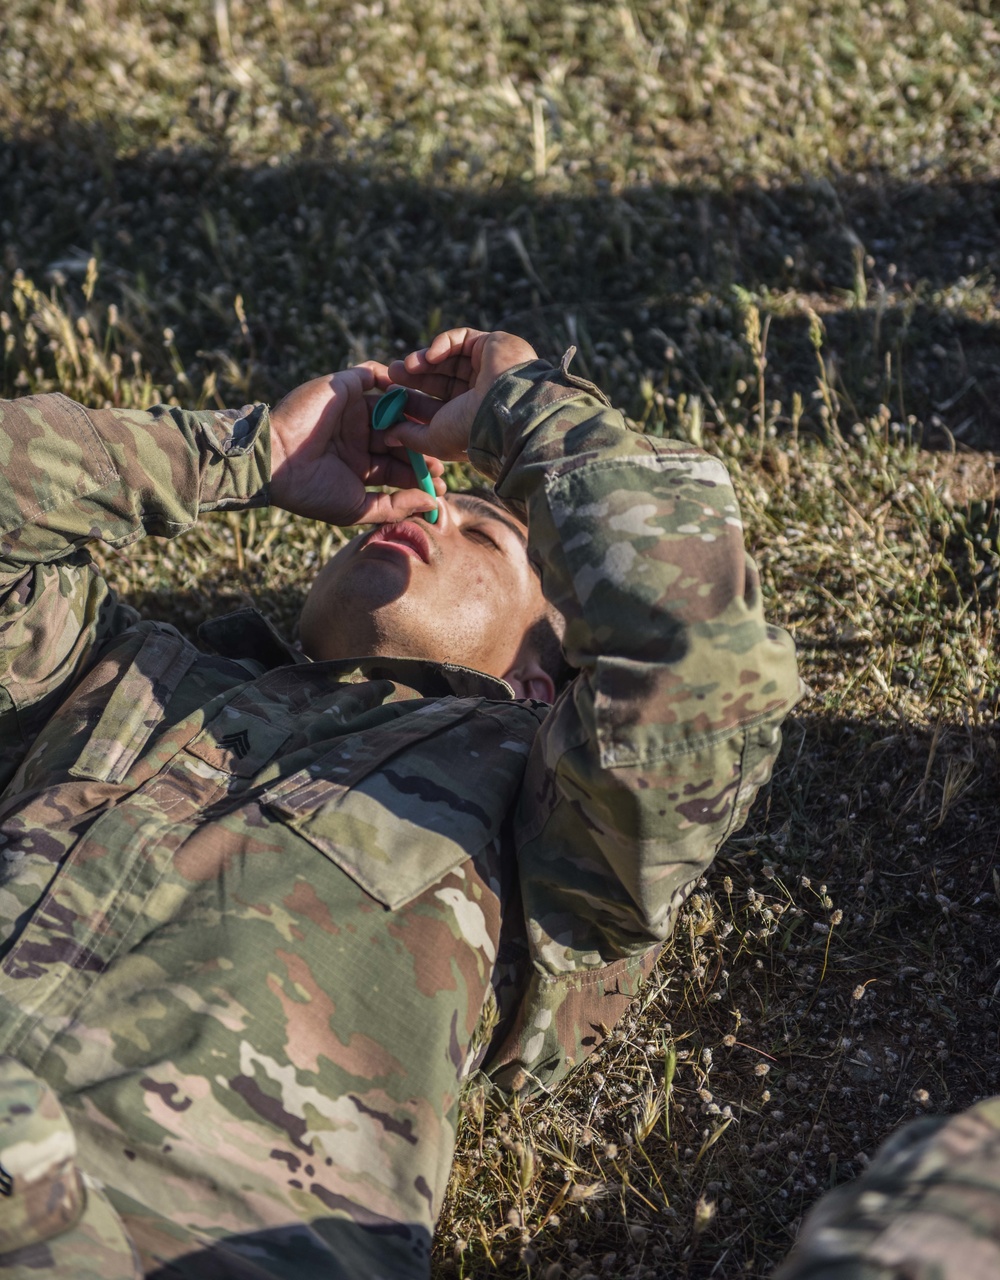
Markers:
(71, 477)
(650, 759)
(928, 1208)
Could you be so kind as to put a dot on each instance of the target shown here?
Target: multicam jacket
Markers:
(253, 908)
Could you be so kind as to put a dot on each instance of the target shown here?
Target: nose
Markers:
(446, 518)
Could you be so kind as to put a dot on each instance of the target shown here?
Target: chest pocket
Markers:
(124, 719)
(238, 742)
(399, 806)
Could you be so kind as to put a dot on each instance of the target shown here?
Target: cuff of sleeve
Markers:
(240, 439)
(515, 404)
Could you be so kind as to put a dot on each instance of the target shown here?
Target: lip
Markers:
(407, 536)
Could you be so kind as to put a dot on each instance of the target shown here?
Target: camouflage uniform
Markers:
(928, 1208)
(254, 909)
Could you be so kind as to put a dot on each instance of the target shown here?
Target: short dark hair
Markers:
(545, 636)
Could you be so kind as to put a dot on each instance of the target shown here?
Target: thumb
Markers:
(389, 508)
(411, 435)
(446, 436)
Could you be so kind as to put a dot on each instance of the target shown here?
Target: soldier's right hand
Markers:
(455, 371)
(324, 454)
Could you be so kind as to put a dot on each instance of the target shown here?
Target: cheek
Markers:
(471, 582)
(489, 589)
(500, 609)
(473, 604)
(479, 615)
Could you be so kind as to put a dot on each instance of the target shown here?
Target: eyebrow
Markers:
(479, 506)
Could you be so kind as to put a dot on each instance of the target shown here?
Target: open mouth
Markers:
(407, 536)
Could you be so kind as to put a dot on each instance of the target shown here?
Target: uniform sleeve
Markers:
(928, 1208)
(70, 477)
(650, 759)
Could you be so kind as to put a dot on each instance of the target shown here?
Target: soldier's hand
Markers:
(453, 376)
(324, 453)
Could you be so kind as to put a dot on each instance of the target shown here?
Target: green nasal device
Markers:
(389, 410)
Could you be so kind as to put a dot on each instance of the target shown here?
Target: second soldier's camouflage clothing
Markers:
(928, 1208)
(253, 908)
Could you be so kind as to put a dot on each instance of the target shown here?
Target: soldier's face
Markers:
(459, 591)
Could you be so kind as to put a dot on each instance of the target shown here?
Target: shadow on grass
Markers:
(187, 609)
(896, 824)
(833, 978)
(268, 275)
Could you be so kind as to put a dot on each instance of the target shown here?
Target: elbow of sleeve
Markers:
(659, 825)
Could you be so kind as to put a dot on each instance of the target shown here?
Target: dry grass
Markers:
(772, 231)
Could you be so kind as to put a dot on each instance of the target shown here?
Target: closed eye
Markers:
(482, 535)
(476, 508)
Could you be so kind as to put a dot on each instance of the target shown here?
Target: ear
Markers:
(529, 680)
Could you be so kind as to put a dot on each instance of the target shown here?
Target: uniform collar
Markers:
(247, 634)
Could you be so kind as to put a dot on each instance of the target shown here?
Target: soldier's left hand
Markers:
(324, 453)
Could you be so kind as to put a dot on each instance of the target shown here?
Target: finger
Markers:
(435, 469)
(445, 346)
(434, 464)
(435, 441)
(361, 377)
(375, 394)
(348, 388)
(441, 383)
(421, 407)
(415, 361)
(386, 508)
(379, 372)
(410, 435)
(452, 342)
(419, 404)
(397, 471)
(393, 470)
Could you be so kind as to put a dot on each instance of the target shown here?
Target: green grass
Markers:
(771, 230)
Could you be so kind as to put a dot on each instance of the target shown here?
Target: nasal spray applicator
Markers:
(389, 410)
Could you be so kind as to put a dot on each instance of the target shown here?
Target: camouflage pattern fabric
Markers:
(51, 1218)
(259, 916)
(928, 1208)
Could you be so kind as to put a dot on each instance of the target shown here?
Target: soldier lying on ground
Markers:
(261, 912)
